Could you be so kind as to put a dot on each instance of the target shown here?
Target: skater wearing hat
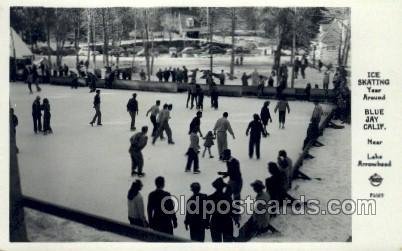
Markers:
(221, 221)
(194, 214)
(235, 182)
(132, 108)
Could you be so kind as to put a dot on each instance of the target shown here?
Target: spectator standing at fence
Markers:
(297, 65)
(255, 78)
(195, 212)
(154, 110)
(325, 80)
(222, 126)
(143, 75)
(166, 75)
(221, 224)
(282, 106)
(265, 115)
(271, 81)
(37, 115)
(159, 75)
(132, 108)
(173, 73)
(137, 142)
(303, 66)
(214, 96)
(159, 219)
(98, 114)
(135, 204)
(320, 65)
(46, 117)
(244, 79)
(255, 129)
(185, 74)
(65, 69)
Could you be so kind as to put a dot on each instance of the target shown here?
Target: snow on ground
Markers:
(88, 168)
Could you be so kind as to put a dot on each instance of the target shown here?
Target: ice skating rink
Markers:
(88, 168)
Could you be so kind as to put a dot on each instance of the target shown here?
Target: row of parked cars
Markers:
(160, 49)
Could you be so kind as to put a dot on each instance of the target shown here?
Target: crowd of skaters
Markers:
(221, 226)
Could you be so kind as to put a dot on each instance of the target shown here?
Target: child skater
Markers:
(209, 141)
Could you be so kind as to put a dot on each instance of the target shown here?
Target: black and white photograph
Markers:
(180, 124)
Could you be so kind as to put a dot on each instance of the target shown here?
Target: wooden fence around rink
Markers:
(299, 162)
(224, 90)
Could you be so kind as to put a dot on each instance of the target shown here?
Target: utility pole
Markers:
(232, 59)
(292, 60)
(211, 56)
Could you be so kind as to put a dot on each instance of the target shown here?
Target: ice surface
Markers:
(88, 168)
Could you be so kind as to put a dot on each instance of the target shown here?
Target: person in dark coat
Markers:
(74, 80)
(220, 223)
(142, 75)
(312, 133)
(46, 117)
(37, 115)
(195, 125)
(199, 97)
(222, 78)
(214, 96)
(303, 66)
(65, 69)
(166, 75)
(173, 73)
(185, 74)
(13, 124)
(265, 116)
(161, 220)
(98, 114)
(193, 151)
(320, 65)
(270, 81)
(132, 108)
(307, 91)
(191, 95)
(159, 75)
(256, 129)
(195, 214)
(276, 185)
(297, 65)
(244, 79)
(137, 142)
(233, 172)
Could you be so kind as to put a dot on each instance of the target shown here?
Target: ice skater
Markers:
(222, 126)
(132, 108)
(37, 115)
(195, 124)
(208, 143)
(255, 129)
(154, 110)
(163, 124)
(282, 106)
(46, 117)
(200, 97)
(98, 114)
(235, 182)
(265, 115)
(137, 142)
(192, 152)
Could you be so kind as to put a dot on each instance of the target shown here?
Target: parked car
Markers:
(84, 52)
(239, 50)
(214, 49)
